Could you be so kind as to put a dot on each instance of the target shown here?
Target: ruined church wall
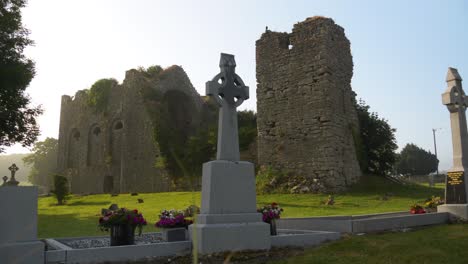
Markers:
(116, 147)
(306, 116)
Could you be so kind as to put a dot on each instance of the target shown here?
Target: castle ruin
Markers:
(111, 149)
(306, 113)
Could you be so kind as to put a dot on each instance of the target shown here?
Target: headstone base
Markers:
(210, 238)
(458, 210)
(22, 252)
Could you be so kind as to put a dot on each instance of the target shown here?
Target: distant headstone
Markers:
(114, 207)
(456, 184)
(228, 218)
(5, 179)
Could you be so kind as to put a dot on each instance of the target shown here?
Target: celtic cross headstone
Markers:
(13, 169)
(456, 101)
(228, 218)
(229, 91)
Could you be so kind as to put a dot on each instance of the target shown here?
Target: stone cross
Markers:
(456, 101)
(5, 178)
(229, 91)
(13, 169)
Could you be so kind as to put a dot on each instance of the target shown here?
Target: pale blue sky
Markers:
(401, 50)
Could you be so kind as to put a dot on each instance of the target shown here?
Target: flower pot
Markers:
(122, 235)
(273, 227)
(174, 234)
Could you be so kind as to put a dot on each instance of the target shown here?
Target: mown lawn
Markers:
(438, 245)
(79, 216)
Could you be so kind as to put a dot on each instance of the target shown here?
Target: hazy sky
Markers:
(401, 50)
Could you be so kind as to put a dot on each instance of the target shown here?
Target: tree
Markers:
(414, 160)
(43, 161)
(17, 118)
(376, 145)
(247, 121)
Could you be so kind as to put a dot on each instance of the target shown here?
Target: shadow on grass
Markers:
(67, 225)
(88, 203)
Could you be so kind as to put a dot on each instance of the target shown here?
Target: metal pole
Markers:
(431, 178)
(435, 148)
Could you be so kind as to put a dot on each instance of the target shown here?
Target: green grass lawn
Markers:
(80, 215)
(440, 244)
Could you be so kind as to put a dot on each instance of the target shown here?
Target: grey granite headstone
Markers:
(228, 220)
(456, 184)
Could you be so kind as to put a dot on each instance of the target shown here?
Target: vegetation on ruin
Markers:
(184, 140)
(17, 117)
(377, 145)
(78, 216)
(270, 180)
(98, 94)
(414, 160)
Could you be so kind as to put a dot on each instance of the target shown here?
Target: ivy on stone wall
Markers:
(98, 94)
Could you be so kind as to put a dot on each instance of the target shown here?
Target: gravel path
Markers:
(144, 239)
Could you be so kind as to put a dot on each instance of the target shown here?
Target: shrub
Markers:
(270, 180)
(61, 191)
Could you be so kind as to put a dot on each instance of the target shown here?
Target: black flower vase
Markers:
(273, 227)
(122, 235)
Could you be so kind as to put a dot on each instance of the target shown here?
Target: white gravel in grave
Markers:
(144, 239)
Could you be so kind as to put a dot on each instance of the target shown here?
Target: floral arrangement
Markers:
(417, 209)
(270, 212)
(433, 202)
(191, 211)
(172, 219)
(122, 216)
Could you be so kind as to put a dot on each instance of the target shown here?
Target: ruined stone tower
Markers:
(113, 149)
(306, 113)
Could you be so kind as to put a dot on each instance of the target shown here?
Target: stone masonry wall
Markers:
(306, 113)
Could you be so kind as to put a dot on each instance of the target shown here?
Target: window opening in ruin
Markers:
(108, 185)
(96, 131)
(118, 125)
(290, 46)
(76, 135)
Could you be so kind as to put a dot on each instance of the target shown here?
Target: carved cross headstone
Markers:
(5, 179)
(13, 169)
(229, 91)
(456, 101)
